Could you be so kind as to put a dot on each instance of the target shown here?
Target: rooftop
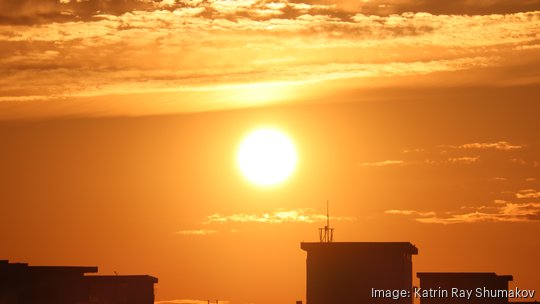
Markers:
(458, 275)
(405, 247)
(121, 278)
(6, 265)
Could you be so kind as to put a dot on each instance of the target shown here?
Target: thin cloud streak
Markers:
(197, 232)
(464, 159)
(281, 216)
(277, 217)
(382, 163)
(502, 211)
(410, 212)
(501, 145)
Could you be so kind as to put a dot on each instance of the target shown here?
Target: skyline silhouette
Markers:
(336, 272)
(198, 141)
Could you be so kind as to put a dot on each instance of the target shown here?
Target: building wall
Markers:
(122, 291)
(346, 274)
(23, 284)
(463, 281)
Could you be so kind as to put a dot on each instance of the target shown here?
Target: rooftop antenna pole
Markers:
(326, 234)
(327, 214)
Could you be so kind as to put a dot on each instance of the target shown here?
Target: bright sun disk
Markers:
(267, 157)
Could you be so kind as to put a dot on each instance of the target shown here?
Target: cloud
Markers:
(50, 11)
(414, 150)
(528, 193)
(276, 217)
(501, 145)
(30, 12)
(519, 161)
(388, 7)
(280, 216)
(410, 212)
(382, 163)
(467, 160)
(501, 211)
(197, 232)
(464, 159)
(223, 50)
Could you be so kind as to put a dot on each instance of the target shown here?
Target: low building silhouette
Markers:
(488, 283)
(24, 284)
(343, 272)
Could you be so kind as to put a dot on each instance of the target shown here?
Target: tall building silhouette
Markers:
(24, 284)
(343, 272)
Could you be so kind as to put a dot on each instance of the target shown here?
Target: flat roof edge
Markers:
(464, 274)
(403, 246)
(122, 277)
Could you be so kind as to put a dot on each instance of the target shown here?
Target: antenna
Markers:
(327, 213)
(326, 234)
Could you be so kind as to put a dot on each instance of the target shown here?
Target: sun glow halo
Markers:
(266, 157)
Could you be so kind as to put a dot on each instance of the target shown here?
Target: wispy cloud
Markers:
(501, 211)
(382, 163)
(275, 217)
(452, 160)
(410, 212)
(197, 232)
(464, 159)
(519, 161)
(280, 216)
(501, 145)
(528, 193)
(443, 7)
(413, 150)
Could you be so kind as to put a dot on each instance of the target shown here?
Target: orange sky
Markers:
(120, 122)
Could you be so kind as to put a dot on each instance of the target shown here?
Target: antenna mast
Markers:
(326, 234)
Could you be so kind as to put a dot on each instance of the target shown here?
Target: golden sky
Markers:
(120, 122)
(147, 57)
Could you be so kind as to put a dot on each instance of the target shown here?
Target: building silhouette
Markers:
(484, 281)
(24, 284)
(343, 272)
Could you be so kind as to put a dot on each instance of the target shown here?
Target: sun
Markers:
(267, 157)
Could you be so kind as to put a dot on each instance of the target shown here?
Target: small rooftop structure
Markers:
(464, 281)
(326, 234)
